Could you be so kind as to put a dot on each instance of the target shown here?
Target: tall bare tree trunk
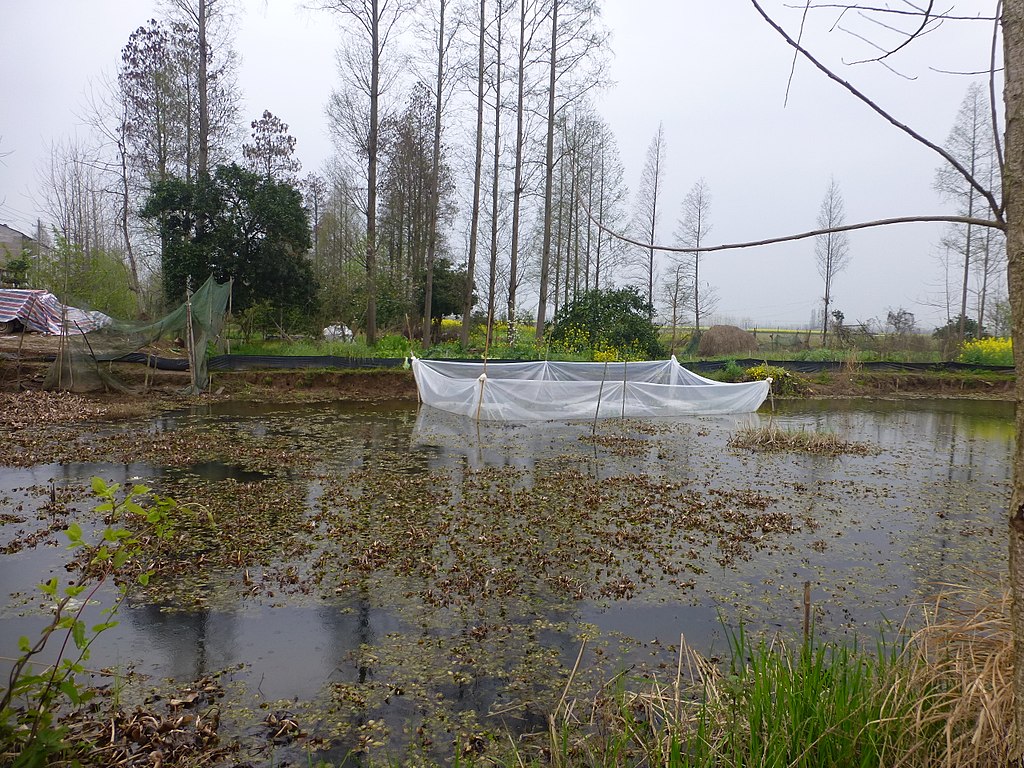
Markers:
(517, 191)
(467, 305)
(1013, 199)
(371, 178)
(204, 96)
(549, 170)
(435, 184)
(492, 276)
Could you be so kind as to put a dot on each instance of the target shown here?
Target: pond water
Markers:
(396, 577)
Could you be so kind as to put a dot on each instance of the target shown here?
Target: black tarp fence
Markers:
(282, 362)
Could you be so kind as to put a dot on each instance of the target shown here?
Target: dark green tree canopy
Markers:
(449, 294)
(238, 225)
(611, 321)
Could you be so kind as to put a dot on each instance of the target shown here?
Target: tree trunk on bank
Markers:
(204, 95)
(1013, 199)
(371, 180)
(467, 305)
(435, 185)
(549, 174)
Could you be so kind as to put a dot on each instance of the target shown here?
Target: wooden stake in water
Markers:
(807, 610)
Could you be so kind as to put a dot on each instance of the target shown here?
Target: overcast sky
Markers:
(711, 71)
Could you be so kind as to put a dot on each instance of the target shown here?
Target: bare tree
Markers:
(529, 16)
(676, 290)
(971, 142)
(831, 249)
(575, 39)
(442, 90)
(377, 23)
(496, 45)
(693, 230)
(209, 24)
(648, 202)
(474, 227)
(314, 192)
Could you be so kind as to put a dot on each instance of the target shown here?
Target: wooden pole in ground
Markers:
(21, 342)
(190, 342)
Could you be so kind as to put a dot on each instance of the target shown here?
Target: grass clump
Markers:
(772, 437)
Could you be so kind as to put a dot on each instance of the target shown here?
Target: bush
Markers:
(608, 324)
(784, 383)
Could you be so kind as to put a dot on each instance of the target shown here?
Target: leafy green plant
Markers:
(732, 371)
(32, 696)
(393, 345)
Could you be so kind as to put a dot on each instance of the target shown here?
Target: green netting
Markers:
(198, 322)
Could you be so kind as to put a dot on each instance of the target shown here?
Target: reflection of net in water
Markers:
(81, 355)
(483, 444)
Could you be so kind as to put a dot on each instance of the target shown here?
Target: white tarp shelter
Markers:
(545, 390)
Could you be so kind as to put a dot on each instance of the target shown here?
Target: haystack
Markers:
(726, 340)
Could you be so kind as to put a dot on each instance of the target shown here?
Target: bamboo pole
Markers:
(600, 391)
(480, 401)
(622, 417)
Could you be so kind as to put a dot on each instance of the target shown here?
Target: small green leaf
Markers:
(139, 490)
(97, 628)
(144, 578)
(69, 689)
(78, 633)
(49, 587)
(121, 557)
(135, 509)
(98, 486)
(74, 591)
(74, 533)
(24, 644)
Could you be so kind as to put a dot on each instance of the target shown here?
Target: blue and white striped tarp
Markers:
(40, 311)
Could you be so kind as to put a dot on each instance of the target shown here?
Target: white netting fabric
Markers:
(553, 390)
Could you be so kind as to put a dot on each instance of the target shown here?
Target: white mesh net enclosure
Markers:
(545, 390)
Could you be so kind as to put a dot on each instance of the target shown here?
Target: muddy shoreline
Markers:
(21, 385)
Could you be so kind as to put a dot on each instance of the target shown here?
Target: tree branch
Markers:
(994, 205)
(917, 12)
(992, 91)
(800, 236)
(910, 37)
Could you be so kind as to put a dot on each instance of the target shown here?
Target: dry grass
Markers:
(771, 437)
(962, 678)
